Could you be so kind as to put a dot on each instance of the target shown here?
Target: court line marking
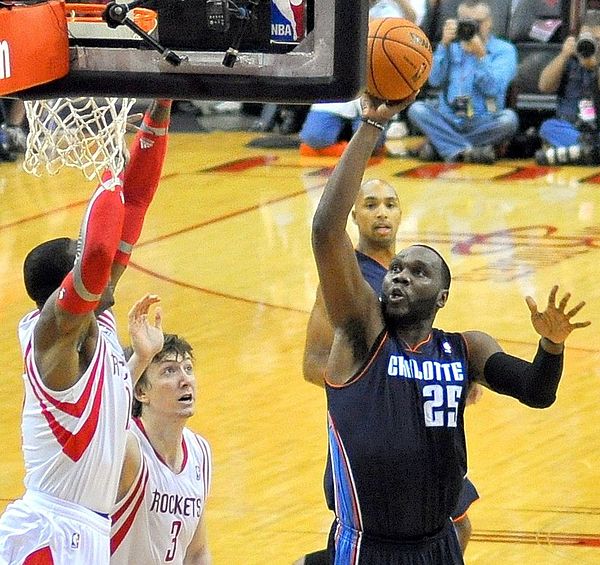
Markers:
(213, 221)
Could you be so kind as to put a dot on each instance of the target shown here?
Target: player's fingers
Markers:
(581, 324)
(552, 296)
(142, 306)
(135, 117)
(135, 310)
(158, 318)
(576, 309)
(532, 305)
(563, 302)
(130, 123)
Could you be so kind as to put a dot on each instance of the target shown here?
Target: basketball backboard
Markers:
(320, 57)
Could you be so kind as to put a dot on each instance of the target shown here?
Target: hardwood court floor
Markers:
(226, 246)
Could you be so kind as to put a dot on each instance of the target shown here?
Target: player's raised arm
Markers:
(534, 384)
(146, 338)
(141, 178)
(341, 281)
(65, 336)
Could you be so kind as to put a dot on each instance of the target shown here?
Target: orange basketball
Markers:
(398, 58)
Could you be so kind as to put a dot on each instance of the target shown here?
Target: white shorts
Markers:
(63, 532)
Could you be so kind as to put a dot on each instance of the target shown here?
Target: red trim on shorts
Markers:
(42, 556)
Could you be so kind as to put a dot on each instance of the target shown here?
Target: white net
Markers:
(85, 133)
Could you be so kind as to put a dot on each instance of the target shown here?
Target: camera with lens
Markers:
(586, 45)
(466, 29)
(462, 106)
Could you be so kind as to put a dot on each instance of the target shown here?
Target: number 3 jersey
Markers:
(156, 520)
(396, 438)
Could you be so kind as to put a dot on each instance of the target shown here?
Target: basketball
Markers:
(398, 58)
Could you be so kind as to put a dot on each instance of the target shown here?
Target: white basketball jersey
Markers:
(74, 440)
(156, 520)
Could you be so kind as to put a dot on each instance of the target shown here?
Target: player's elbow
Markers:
(99, 253)
(539, 401)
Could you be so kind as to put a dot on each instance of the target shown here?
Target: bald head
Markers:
(377, 213)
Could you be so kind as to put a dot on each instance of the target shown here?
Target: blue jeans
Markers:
(322, 129)
(451, 135)
(559, 133)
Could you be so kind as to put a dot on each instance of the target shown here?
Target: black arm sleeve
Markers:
(533, 384)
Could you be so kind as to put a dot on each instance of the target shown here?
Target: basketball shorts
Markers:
(42, 530)
(441, 548)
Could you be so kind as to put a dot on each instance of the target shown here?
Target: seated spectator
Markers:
(13, 139)
(321, 133)
(572, 135)
(473, 70)
(325, 123)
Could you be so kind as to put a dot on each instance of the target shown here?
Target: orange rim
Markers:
(92, 13)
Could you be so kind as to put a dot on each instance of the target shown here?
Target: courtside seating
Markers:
(535, 54)
(516, 26)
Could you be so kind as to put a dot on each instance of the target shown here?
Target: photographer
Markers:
(571, 136)
(473, 69)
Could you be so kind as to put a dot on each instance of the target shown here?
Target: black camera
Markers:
(586, 45)
(462, 106)
(467, 29)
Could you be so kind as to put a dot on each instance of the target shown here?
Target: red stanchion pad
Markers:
(34, 45)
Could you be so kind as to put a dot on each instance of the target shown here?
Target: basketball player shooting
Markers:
(396, 386)
(78, 389)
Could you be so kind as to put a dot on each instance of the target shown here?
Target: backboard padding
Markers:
(329, 64)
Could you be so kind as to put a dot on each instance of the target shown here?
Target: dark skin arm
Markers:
(319, 337)
(351, 304)
(64, 344)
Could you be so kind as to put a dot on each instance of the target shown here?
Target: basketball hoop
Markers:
(84, 133)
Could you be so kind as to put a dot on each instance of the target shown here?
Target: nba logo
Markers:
(198, 473)
(75, 540)
(288, 21)
(447, 348)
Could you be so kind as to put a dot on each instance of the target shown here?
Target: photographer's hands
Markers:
(475, 45)
(449, 32)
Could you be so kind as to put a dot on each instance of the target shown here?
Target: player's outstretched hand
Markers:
(131, 125)
(382, 111)
(555, 324)
(146, 338)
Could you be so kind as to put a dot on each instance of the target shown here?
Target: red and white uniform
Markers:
(73, 445)
(156, 520)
